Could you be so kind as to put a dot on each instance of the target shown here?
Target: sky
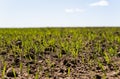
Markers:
(62, 13)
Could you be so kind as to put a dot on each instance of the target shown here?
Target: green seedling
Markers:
(4, 69)
(28, 70)
(69, 71)
(37, 75)
(107, 58)
(60, 55)
(14, 72)
(101, 66)
(21, 67)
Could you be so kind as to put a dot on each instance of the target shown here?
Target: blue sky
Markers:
(37, 13)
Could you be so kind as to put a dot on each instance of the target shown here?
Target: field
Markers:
(60, 53)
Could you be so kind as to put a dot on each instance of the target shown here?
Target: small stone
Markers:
(26, 74)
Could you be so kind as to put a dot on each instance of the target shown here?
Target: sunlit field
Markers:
(60, 53)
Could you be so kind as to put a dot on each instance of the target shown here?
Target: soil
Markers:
(49, 65)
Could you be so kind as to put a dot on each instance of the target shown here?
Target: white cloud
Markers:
(69, 10)
(74, 10)
(100, 3)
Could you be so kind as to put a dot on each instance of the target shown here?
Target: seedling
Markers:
(69, 71)
(107, 58)
(4, 69)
